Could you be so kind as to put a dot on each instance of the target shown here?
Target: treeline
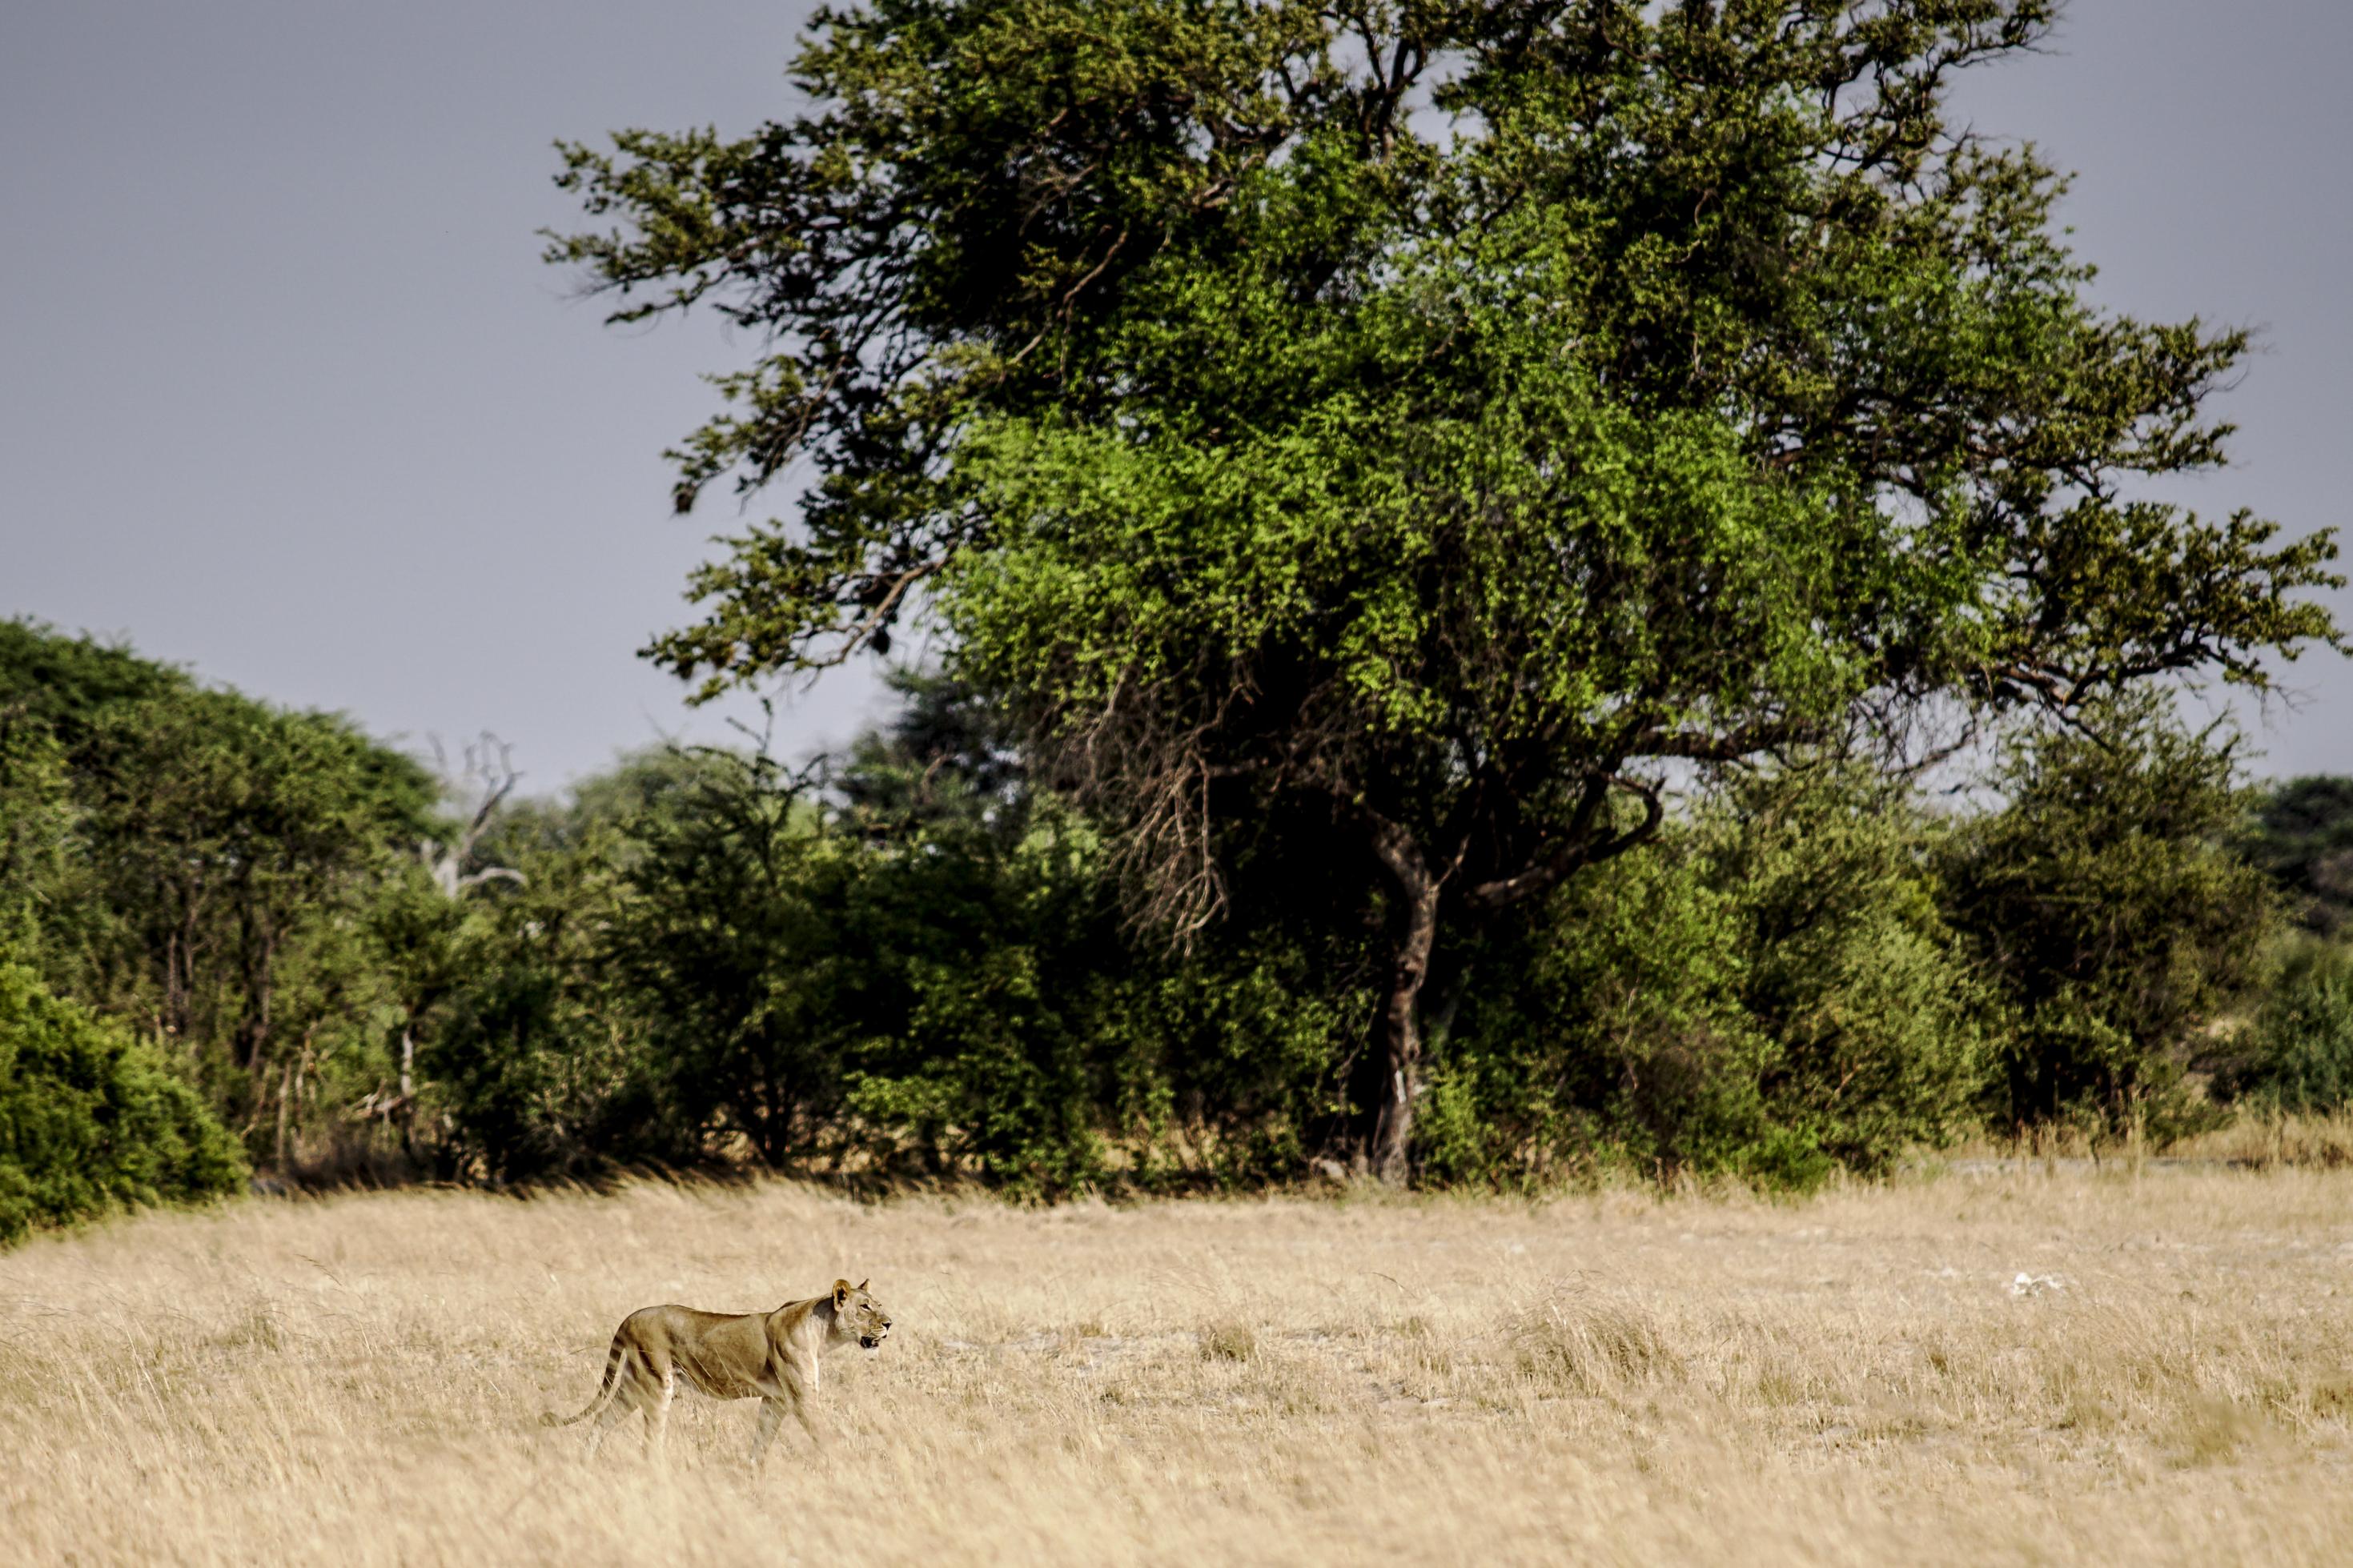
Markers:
(238, 936)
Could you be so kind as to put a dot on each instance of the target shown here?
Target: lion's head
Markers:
(858, 1316)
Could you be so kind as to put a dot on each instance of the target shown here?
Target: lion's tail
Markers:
(604, 1391)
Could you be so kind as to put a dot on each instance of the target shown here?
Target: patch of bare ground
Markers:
(2005, 1367)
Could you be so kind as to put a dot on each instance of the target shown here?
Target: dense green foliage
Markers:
(909, 968)
(2298, 1055)
(2108, 907)
(92, 1121)
(915, 968)
(1774, 993)
(1443, 418)
(911, 962)
(36, 819)
(2303, 835)
(202, 865)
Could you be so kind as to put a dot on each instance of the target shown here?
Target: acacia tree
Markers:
(1442, 415)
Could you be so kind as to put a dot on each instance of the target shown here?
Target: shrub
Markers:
(1610, 1030)
(537, 1061)
(2299, 1055)
(2107, 904)
(1770, 994)
(91, 1120)
(2301, 836)
(1228, 1064)
(1846, 967)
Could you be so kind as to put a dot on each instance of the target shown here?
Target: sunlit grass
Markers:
(1606, 1378)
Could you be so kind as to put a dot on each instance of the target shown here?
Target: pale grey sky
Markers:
(286, 394)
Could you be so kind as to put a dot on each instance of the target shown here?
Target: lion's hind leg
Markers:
(637, 1388)
(657, 1403)
(607, 1418)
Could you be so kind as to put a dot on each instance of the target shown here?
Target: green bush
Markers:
(969, 971)
(91, 1120)
(535, 1070)
(2299, 1053)
(1249, 1040)
(907, 974)
(535, 1059)
(2301, 836)
(1876, 1028)
(1610, 1033)
(1771, 995)
(2107, 906)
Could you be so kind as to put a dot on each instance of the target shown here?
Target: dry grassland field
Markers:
(1859, 1378)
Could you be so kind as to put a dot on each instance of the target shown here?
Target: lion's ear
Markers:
(841, 1292)
(863, 1283)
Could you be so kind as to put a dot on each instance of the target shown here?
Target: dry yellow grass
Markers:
(2322, 1142)
(1605, 1379)
(2252, 1139)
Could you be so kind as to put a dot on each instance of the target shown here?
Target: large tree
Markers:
(1433, 419)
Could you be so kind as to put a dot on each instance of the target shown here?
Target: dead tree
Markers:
(487, 784)
(480, 787)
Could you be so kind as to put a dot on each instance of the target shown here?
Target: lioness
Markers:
(729, 1356)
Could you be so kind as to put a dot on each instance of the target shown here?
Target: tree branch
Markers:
(1576, 849)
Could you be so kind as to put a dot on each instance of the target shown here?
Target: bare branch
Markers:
(861, 632)
(1578, 848)
(493, 781)
(1726, 746)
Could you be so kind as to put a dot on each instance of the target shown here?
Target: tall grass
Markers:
(1856, 1379)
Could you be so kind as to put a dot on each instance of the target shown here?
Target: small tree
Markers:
(417, 923)
(2108, 907)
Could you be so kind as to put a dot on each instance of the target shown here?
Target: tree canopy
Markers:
(192, 858)
(1446, 417)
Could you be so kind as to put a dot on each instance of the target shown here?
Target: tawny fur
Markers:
(768, 1356)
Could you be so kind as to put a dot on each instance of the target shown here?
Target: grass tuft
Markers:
(1228, 1341)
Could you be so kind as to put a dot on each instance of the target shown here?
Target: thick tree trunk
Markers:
(1400, 1022)
(1420, 878)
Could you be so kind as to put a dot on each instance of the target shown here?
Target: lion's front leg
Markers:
(771, 1421)
(798, 1380)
